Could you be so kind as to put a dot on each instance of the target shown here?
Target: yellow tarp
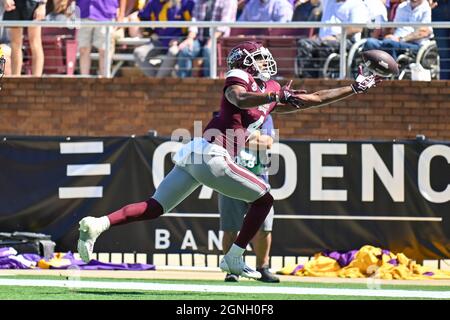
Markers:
(369, 261)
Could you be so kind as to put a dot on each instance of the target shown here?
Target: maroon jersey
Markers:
(239, 123)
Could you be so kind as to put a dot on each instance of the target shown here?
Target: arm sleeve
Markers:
(427, 16)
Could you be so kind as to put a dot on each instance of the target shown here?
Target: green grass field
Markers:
(70, 292)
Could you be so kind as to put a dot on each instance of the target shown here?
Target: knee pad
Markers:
(265, 200)
(154, 208)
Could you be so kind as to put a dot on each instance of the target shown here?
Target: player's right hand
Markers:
(289, 96)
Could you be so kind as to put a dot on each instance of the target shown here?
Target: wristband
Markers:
(274, 97)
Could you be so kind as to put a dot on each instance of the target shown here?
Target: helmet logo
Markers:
(234, 56)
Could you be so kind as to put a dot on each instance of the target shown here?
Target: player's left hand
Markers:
(363, 83)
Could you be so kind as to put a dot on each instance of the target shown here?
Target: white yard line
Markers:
(73, 284)
(315, 217)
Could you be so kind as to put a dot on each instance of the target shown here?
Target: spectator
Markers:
(267, 10)
(378, 14)
(377, 10)
(96, 10)
(441, 12)
(25, 10)
(307, 10)
(199, 41)
(60, 10)
(164, 41)
(132, 15)
(313, 52)
(405, 37)
(242, 3)
(4, 44)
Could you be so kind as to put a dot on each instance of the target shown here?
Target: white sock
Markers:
(235, 250)
(105, 223)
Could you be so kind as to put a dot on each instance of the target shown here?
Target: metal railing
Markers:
(213, 27)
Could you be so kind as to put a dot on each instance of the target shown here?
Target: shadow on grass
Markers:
(148, 294)
(108, 293)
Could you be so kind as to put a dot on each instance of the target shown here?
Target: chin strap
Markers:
(261, 77)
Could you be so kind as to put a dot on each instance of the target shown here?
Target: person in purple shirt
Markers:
(164, 41)
(96, 10)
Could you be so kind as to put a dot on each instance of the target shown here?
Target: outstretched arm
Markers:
(242, 99)
(299, 100)
(323, 97)
(316, 99)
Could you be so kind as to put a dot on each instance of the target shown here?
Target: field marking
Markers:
(74, 284)
(80, 192)
(315, 217)
(88, 169)
(81, 147)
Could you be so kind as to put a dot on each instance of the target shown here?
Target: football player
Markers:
(250, 95)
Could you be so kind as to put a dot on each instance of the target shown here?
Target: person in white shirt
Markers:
(313, 52)
(377, 10)
(405, 37)
(345, 11)
(377, 14)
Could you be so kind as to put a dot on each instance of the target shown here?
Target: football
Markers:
(380, 63)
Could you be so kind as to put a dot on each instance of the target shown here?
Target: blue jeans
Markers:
(390, 46)
(206, 54)
(185, 57)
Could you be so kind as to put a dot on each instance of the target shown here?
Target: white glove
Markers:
(363, 83)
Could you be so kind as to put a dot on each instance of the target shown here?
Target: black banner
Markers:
(329, 195)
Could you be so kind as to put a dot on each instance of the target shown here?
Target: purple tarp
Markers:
(343, 258)
(9, 259)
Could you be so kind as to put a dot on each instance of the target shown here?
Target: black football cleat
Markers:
(231, 277)
(267, 276)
